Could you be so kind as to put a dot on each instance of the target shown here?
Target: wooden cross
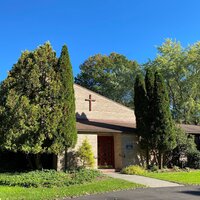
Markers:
(90, 102)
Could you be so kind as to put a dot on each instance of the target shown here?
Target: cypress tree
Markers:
(164, 128)
(149, 83)
(141, 107)
(67, 126)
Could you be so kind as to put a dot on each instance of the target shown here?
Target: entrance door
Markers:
(106, 151)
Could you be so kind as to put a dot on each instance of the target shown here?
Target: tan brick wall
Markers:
(130, 150)
(102, 108)
(126, 149)
(118, 151)
(92, 139)
(60, 162)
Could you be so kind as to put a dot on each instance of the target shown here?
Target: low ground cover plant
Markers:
(49, 178)
(50, 184)
(133, 169)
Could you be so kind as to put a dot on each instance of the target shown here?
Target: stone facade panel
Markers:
(102, 109)
(71, 154)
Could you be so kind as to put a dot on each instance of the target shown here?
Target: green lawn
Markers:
(103, 185)
(188, 178)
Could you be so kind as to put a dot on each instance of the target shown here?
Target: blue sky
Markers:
(130, 27)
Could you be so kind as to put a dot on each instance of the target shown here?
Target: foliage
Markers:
(194, 159)
(176, 168)
(99, 186)
(48, 178)
(187, 169)
(185, 142)
(66, 100)
(29, 114)
(141, 113)
(111, 76)
(150, 116)
(31, 110)
(84, 175)
(140, 104)
(184, 145)
(153, 117)
(86, 155)
(134, 169)
(153, 168)
(180, 69)
(164, 128)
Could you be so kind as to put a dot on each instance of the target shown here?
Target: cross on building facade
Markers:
(90, 102)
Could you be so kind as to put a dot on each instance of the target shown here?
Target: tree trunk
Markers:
(66, 159)
(147, 158)
(160, 160)
(30, 163)
(38, 162)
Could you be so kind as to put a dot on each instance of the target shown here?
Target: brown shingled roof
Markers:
(102, 126)
(192, 129)
(109, 126)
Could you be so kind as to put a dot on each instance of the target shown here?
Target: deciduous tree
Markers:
(180, 68)
(112, 76)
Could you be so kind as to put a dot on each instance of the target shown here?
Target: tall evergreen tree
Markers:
(29, 112)
(67, 126)
(164, 128)
(37, 108)
(149, 84)
(141, 109)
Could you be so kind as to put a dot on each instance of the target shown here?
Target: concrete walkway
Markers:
(150, 182)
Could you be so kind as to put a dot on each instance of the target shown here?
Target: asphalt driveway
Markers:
(170, 193)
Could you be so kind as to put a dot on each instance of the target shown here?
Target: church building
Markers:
(108, 126)
(111, 130)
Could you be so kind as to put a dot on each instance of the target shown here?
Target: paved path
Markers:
(150, 182)
(171, 193)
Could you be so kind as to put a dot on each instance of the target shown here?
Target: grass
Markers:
(99, 186)
(187, 178)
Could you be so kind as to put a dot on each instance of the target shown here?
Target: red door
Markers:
(106, 151)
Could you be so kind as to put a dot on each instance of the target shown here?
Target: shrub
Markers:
(85, 154)
(153, 168)
(185, 144)
(194, 159)
(48, 178)
(133, 169)
(176, 168)
(187, 169)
